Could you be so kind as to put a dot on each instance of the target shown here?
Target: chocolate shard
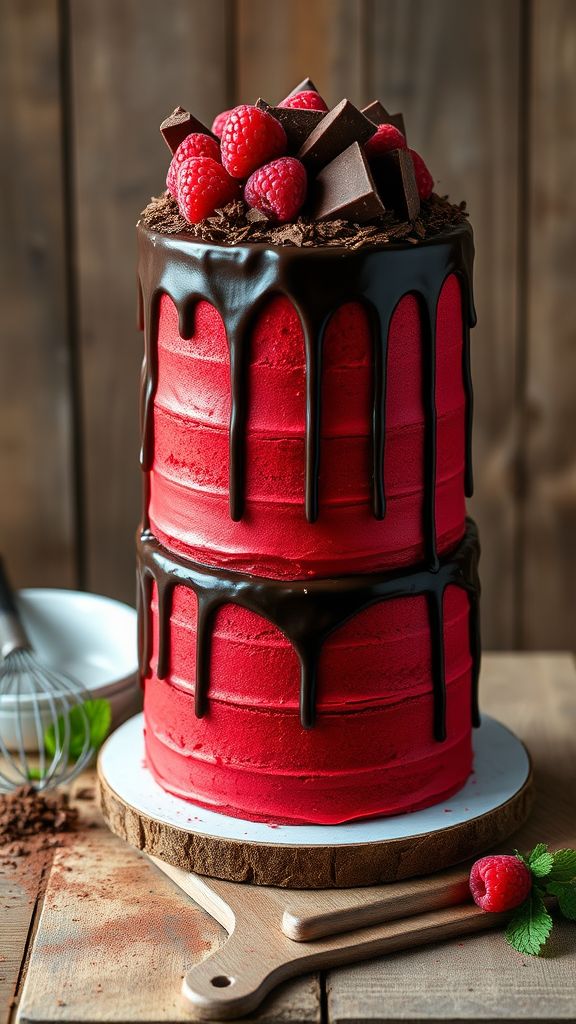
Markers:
(378, 114)
(337, 130)
(296, 123)
(345, 189)
(306, 85)
(396, 183)
(398, 121)
(178, 125)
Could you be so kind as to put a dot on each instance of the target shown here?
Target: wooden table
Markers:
(97, 933)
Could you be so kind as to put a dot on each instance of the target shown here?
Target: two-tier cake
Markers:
(308, 593)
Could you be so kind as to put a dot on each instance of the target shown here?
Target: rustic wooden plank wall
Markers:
(489, 90)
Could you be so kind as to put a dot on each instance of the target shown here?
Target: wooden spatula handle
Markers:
(252, 962)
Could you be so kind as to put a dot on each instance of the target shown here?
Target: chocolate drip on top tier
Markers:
(305, 611)
(239, 280)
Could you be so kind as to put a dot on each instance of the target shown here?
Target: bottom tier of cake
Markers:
(316, 701)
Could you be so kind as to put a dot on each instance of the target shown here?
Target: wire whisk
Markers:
(29, 689)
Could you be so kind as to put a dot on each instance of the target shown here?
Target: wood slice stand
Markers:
(495, 802)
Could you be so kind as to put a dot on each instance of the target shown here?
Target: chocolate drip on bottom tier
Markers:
(239, 280)
(305, 611)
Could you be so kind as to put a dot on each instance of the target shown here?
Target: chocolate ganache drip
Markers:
(238, 280)
(305, 611)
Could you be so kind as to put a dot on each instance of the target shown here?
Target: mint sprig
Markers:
(565, 893)
(540, 861)
(98, 718)
(531, 925)
(553, 874)
(96, 714)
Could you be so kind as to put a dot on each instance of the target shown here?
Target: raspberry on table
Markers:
(278, 189)
(219, 122)
(306, 100)
(500, 882)
(203, 186)
(424, 179)
(251, 137)
(387, 137)
(194, 144)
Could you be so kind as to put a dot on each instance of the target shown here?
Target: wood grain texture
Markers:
(16, 913)
(278, 44)
(37, 506)
(453, 69)
(549, 533)
(133, 62)
(483, 979)
(116, 938)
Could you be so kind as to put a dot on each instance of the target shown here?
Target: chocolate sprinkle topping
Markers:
(236, 224)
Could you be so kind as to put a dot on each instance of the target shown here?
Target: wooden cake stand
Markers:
(495, 802)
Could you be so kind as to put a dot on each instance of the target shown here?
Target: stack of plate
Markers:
(91, 638)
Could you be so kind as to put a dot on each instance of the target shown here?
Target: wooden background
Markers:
(488, 88)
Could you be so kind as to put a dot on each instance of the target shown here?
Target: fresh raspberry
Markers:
(307, 100)
(193, 145)
(250, 137)
(500, 883)
(278, 189)
(203, 186)
(424, 179)
(387, 137)
(219, 122)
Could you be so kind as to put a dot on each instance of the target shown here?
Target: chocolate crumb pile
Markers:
(237, 224)
(32, 820)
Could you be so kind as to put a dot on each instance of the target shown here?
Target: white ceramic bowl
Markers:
(90, 637)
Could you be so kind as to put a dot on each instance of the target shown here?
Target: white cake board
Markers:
(495, 801)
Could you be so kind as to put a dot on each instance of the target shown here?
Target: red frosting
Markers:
(372, 750)
(189, 510)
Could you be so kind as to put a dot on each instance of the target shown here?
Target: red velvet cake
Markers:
(308, 591)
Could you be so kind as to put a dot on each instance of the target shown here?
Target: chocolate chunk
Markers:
(378, 114)
(306, 85)
(296, 123)
(398, 121)
(178, 125)
(337, 130)
(396, 182)
(345, 189)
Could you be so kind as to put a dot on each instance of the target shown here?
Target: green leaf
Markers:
(95, 715)
(522, 857)
(540, 861)
(538, 850)
(564, 867)
(530, 927)
(565, 893)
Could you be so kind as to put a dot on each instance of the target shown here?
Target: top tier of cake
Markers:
(307, 411)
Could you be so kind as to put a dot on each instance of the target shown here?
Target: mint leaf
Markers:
(565, 893)
(522, 857)
(542, 866)
(540, 861)
(564, 867)
(98, 718)
(530, 927)
(539, 849)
